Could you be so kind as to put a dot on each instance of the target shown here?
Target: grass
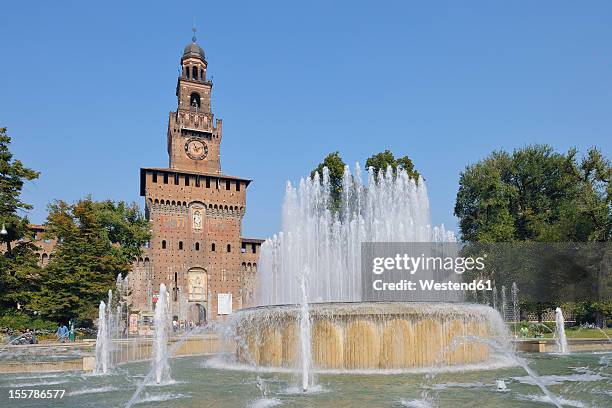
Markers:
(577, 333)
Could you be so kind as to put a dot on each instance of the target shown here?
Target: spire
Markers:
(193, 49)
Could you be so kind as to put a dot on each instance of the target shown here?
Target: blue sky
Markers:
(85, 88)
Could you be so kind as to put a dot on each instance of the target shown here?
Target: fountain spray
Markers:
(305, 333)
(504, 304)
(516, 314)
(160, 345)
(560, 338)
(102, 340)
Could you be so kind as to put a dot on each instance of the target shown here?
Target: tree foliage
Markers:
(19, 271)
(382, 160)
(335, 165)
(536, 194)
(96, 242)
(379, 161)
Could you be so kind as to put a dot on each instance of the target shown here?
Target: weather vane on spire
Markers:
(193, 28)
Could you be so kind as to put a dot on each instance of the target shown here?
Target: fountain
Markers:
(504, 303)
(516, 313)
(494, 297)
(560, 338)
(160, 345)
(305, 336)
(324, 237)
(102, 342)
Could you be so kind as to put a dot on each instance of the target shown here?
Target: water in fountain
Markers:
(516, 313)
(560, 338)
(102, 342)
(495, 298)
(160, 345)
(305, 335)
(324, 237)
(504, 303)
(388, 209)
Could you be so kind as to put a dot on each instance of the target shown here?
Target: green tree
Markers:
(19, 272)
(13, 175)
(535, 194)
(538, 195)
(96, 242)
(381, 161)
(335, 165)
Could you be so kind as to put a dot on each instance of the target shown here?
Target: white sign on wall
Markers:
(224, 303)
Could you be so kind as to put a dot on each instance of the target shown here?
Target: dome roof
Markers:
(193, 50)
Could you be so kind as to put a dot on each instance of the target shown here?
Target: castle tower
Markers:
(194, 138)
(195, 213)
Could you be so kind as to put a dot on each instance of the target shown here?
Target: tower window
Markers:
(165, 178)
(164, 244)
(237, 185)
(197, 246)
(197, 181)
(186, 180)
(227, 184)
(176, 179)
(194, 72)
(175, 289)
(254, 248)
(154, 177)
(194, 100)
(180, 244)
(212, 247)
(207, 182)
(229, 248)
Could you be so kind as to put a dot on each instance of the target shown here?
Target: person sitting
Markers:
(28, 338)
(62, 333)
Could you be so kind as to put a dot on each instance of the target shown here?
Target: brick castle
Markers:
(195, 210)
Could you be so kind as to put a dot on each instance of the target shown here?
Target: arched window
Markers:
(163, 244)
(212, 247)
(229, 248)
(197, 246)
(180, 244)
(194, 100)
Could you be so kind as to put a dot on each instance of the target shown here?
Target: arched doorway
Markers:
(197, 313)
(197, 289)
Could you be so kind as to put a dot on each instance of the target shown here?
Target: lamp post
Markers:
(3, 234)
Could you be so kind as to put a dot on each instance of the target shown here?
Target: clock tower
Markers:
(194, 136)
(195, 211)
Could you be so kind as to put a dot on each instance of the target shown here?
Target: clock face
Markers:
(196, 149)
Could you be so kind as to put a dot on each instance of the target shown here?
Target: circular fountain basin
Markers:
(368, 335)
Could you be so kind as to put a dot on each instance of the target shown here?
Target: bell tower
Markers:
(194, 136)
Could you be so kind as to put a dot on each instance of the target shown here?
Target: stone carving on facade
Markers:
(197, 220)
